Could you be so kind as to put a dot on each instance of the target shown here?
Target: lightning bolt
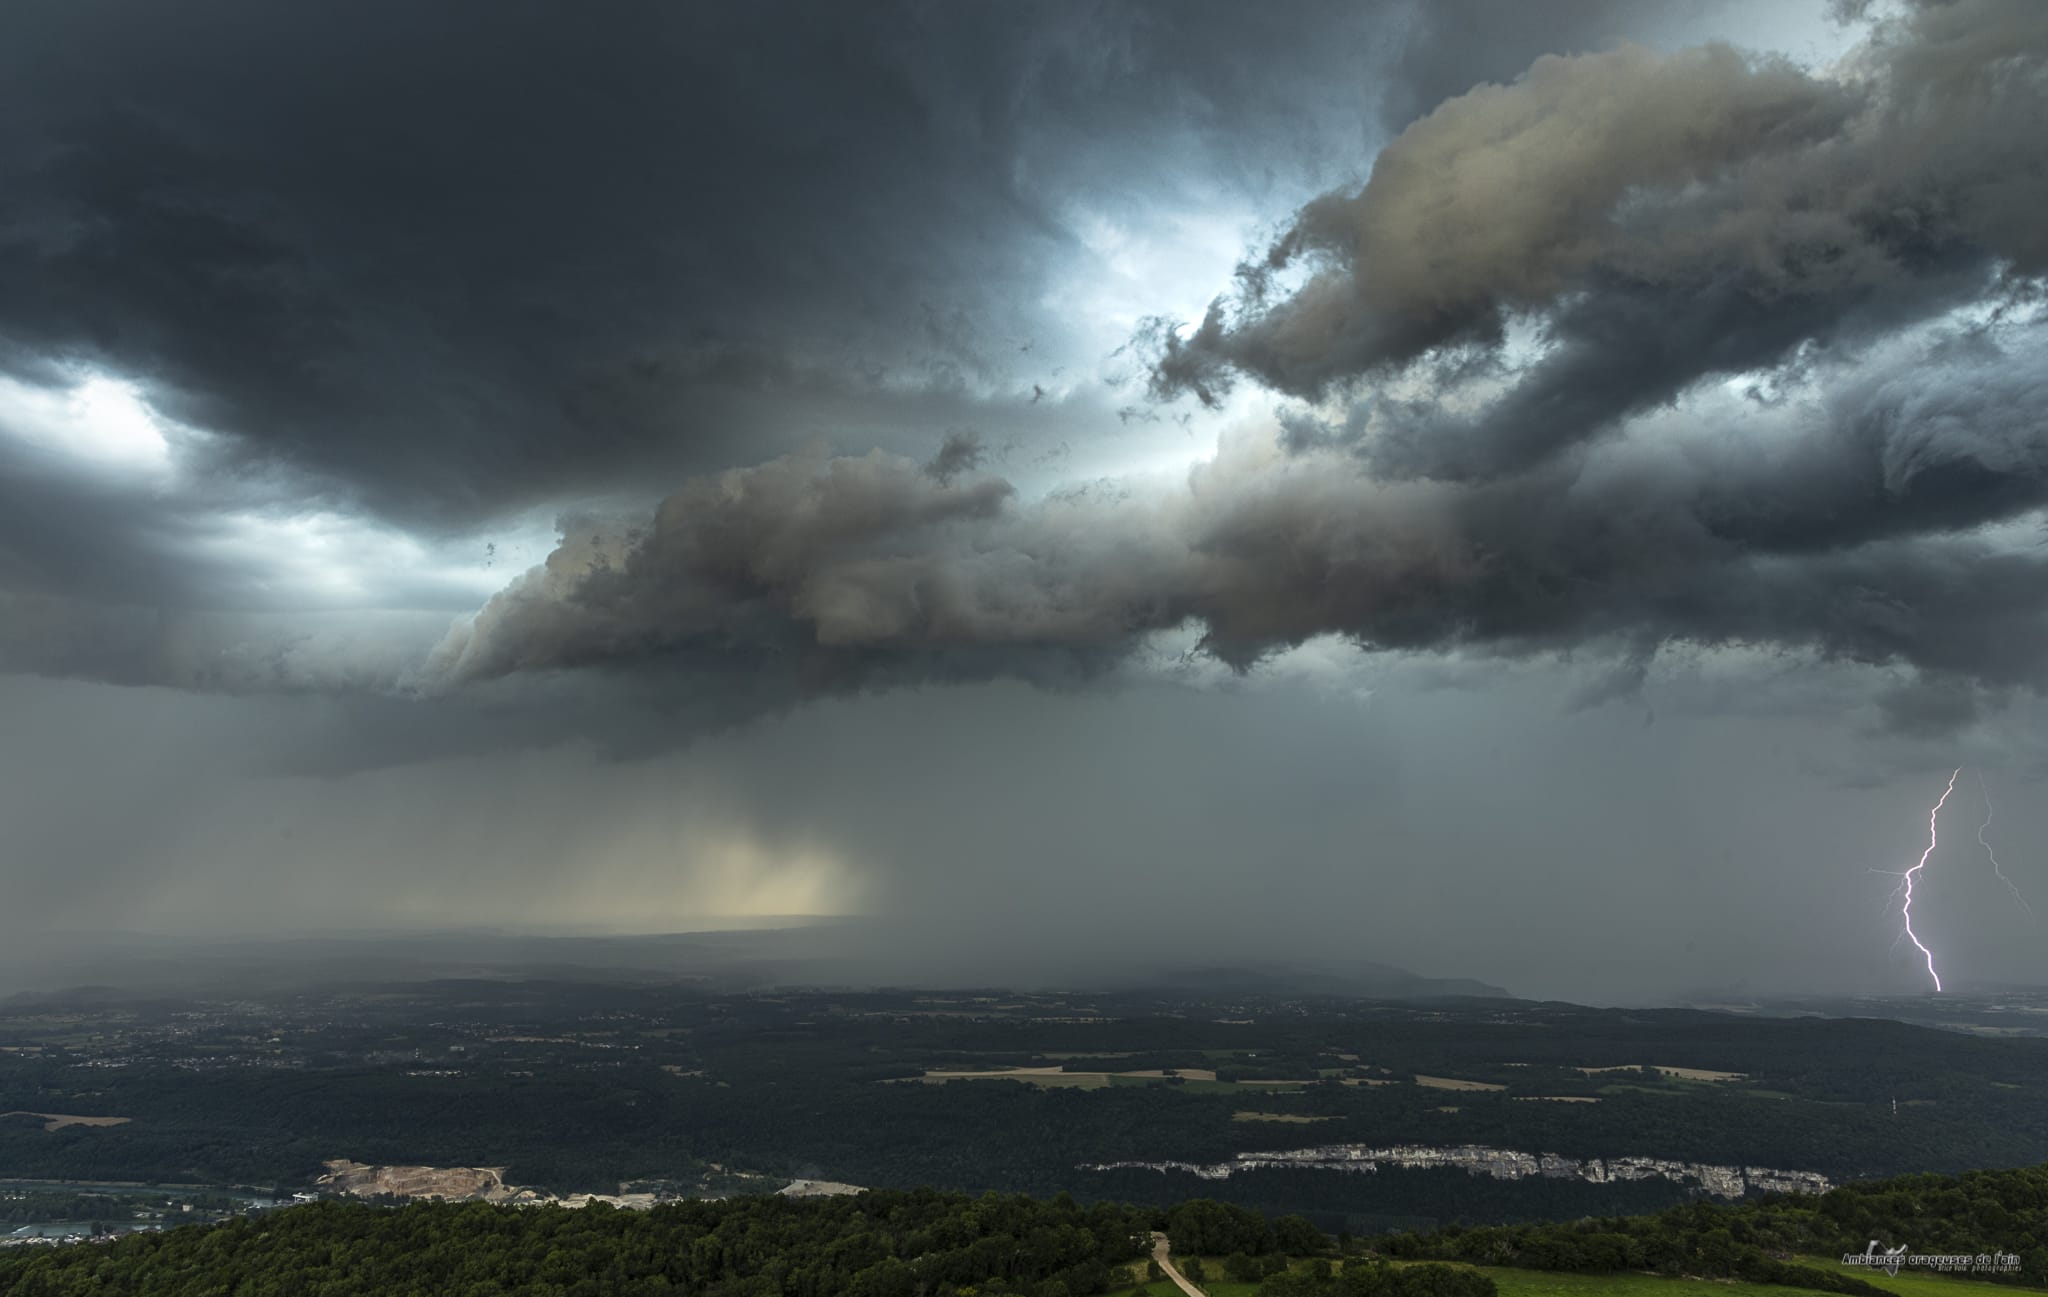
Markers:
(1906, 879)
(2010, 886)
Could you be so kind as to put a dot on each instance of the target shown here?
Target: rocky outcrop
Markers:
(460, 1183)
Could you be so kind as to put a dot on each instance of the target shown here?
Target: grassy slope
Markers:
(1912, 1284)
(1550, 1283)
(1544, 1283)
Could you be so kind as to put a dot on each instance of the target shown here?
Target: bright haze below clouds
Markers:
(1544, 494)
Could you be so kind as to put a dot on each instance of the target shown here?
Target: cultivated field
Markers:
(1058, 1077)
(59, 1120)
(1677, 1073)
(1546, 1283)
(1453, 1083)
(1556, 1098)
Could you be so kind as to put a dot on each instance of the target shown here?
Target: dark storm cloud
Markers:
(581, 254)
(1450, 46)
(433, 263)
(458, 256)
(1658, 219)
(1842, 527)
(122, 536)
(961, 453)
(1670, 217)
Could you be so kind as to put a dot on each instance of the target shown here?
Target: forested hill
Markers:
(1978, 1212)
(914, 1244)
(879, 1244)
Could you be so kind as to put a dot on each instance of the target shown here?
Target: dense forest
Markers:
(913, 1244)
(1977, 1213)
(875, 1245)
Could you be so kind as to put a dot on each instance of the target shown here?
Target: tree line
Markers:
(920, 1243)
(1977, 1213)
(879, 1244)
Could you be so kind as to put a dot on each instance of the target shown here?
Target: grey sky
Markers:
(1540, 501)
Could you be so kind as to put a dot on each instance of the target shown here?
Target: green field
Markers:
(1544, 1283)
(1550, 1283)
(1911, 1284)
(1215, 1285)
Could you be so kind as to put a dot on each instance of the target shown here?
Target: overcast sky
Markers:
(1539, 493)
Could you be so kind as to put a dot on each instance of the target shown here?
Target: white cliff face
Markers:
(1500, 1164)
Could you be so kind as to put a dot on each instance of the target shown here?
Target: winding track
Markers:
(1159, 1254)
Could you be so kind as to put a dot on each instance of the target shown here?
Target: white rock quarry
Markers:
(457, 1184)
(819, 1189)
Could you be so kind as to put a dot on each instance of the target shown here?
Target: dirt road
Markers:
(1159, 1251)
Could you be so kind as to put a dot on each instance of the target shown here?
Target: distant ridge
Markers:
(1366, 979)
(789, 952)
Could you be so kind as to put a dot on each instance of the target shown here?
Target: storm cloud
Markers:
(1648, 220)
(1611, 188)
(464, 257)
(1843, 525)
(1264, 418)
(1504, 340)
(1666, 219)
